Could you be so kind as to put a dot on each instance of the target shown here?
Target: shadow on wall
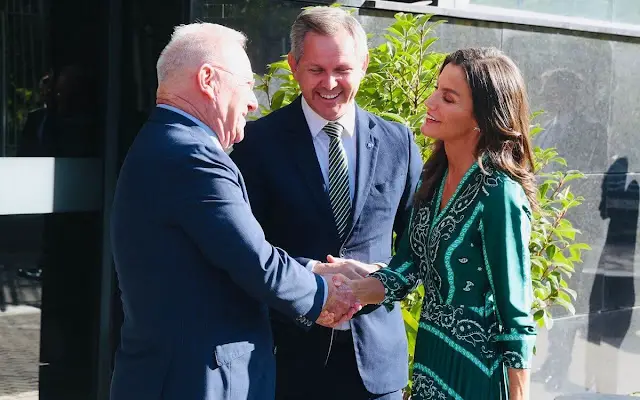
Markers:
(613, 293)
(611, 298)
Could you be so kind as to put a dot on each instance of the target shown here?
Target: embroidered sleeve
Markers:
(506, 229)
(401, 276)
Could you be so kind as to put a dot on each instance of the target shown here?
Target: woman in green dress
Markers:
(467, 240)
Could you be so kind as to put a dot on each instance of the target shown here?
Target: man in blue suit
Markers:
(326, 177)
(196, 273)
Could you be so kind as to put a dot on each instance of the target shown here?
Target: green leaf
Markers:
(566, 303)
(394, 31)
(551, 251)
(570, 292)
(277, 100)
(538, 317)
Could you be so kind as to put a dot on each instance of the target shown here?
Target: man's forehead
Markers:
(237, 61)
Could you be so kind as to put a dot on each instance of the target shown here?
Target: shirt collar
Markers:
(316, 122)
(201, 124)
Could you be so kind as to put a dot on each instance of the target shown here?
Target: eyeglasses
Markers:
(245, 79)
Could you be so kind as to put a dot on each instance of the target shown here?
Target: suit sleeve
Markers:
(211, 209)
(401, 276)
(505, 230)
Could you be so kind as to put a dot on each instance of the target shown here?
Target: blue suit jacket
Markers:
(196, 273)
(289, 199)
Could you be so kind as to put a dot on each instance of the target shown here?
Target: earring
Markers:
(476, 129)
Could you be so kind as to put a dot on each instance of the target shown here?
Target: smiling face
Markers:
(228, 88)
(235, 96)
(450, 108)
(329, 72)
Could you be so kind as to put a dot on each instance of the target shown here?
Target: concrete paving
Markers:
(19, 353)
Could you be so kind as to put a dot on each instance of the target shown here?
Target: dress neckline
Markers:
(463, 181)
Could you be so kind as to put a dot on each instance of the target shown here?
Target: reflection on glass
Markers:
(20, 301)
(50, 263)
(265, 22)
(66, 124)
(25, 45)
(623, 11)
(49, 269)
(47, 110)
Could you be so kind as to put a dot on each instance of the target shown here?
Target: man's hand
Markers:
(352, 269)
(341, 304)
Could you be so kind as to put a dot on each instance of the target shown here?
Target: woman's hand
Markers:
(352, 269)
(367, 290)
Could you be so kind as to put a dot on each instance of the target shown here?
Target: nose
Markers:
(253, 102)
(330, 82)
(429, 102)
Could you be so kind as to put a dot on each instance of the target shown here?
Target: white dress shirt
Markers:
(321, 142)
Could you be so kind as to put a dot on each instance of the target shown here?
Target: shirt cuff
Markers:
(310, 264)
(517, 350)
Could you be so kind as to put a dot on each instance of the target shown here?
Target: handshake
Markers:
(342, 302)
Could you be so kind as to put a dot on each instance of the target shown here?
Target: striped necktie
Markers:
(339, 194)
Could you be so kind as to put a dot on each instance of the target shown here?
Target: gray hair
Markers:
(326, 21)
(195, 44)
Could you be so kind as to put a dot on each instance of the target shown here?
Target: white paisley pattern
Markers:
(427, 388)
(512, 359)
(459, 313)
(423, 236)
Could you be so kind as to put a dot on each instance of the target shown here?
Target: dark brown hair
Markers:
(501, 108)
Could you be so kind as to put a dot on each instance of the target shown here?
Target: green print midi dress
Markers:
(473, 260)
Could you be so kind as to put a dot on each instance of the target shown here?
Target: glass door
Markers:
(51, 191)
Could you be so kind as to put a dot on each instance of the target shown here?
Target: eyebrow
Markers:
(339, 66)
(451, 91)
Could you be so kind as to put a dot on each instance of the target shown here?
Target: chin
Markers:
(428, 132)
(333, 113)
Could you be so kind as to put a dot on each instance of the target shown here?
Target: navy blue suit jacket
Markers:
(196, 273)
(290, 200)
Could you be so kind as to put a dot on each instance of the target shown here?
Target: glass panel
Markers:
(623, 11)
(51, 109)
(48, 274)
(48, 110)
(265, 22)
(626, 11)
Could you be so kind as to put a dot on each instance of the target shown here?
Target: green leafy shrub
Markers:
(402, 74)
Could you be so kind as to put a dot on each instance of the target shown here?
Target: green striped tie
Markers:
(338, 179)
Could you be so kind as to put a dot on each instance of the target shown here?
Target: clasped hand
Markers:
(341, 303)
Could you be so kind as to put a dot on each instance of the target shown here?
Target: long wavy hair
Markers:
(501, 108)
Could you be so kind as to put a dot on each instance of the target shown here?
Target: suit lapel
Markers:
(367, 144)
(301, 148)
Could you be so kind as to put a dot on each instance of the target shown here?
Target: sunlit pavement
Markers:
(19, 353)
